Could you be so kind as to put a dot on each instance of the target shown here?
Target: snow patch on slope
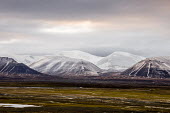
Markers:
(119, 61)
(25, 59)
(80, 55)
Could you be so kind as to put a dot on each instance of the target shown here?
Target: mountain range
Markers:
(78, 63)
(117, 61)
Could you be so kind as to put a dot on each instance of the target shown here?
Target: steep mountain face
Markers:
(80, 55)
(119, 61)
(10, 66)
(64, 66)
(157, 67)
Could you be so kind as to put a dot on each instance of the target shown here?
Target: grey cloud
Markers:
(146, 36)
(82, 9)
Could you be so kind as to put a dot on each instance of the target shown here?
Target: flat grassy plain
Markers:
(60, 99)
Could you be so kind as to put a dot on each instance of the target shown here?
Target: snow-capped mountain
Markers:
(80, 55)
(10, 66)
(26, 59)
(119, 61)
(156, 67)
(64, 66)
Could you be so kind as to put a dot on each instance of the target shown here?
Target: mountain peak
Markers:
(61, 65)
(79, 55)
(10, 66)
(7, 60)
(155, 67)
(119, 61)
(121, 53)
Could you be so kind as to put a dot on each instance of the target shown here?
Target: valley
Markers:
(84, 56)
(62, 84)
(57, 98)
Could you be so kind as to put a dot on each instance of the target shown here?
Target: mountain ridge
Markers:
(10, 66)
(154, 67)
(117, 61)
(61, 65)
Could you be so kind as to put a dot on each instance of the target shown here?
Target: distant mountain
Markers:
(64, 66)
(10, 66)
(80, 55)
(26, 59)
(116, 62)
(156, 67)
(119, 61)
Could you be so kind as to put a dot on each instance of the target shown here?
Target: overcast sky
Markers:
(98, 26)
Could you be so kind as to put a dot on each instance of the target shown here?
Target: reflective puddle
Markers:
(16, 105)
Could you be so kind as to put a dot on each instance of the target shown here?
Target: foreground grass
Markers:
(82, 100)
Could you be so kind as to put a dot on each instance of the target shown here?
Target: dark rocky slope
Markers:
(156, 67)
(10, 66)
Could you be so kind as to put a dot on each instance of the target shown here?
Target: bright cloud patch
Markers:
(9, 41)
(78, 27)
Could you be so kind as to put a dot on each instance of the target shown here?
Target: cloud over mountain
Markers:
(90, 24)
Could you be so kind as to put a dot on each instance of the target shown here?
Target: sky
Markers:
(99, 27)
